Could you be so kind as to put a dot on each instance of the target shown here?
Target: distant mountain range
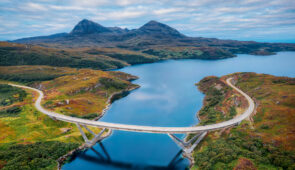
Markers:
(149, 36)
(91, 45)
(88, 33)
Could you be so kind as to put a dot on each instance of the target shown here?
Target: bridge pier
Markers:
(188, 146)
(96, 137)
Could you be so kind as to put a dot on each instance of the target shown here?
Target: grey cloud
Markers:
(194, 17)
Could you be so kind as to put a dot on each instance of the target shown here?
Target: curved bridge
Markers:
(202, 130)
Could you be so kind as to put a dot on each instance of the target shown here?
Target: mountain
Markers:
(37, 39)
(151, 38)
(88, 27)
(118, 30)
(154, 28)
(89, 33)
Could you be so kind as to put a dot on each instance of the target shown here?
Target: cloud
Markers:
(89, 3)
(234, 19)
(127, 2)
(126, 14)
(33, 7)
(167, 11)
(64, 8)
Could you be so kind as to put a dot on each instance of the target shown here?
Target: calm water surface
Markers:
(167, 97)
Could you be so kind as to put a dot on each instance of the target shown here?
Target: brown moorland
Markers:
(266, 140)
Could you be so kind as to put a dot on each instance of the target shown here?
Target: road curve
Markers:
(147, 129)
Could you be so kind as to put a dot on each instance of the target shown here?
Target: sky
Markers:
(258, 20)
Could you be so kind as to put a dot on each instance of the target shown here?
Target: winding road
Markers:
(148, 129)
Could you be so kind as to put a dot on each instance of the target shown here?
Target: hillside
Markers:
(85, 93)
(149, 36)
(32, 140)
(265, 141)
(91, 45)
(99, 57)
(96, 58)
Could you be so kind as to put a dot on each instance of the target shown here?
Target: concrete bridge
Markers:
(187, 146)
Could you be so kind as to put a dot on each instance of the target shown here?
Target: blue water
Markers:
(167, 97)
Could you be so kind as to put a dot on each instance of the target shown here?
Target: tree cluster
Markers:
(222, 153)
(40, 155)
(10, 94)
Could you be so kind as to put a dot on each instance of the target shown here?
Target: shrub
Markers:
(111, 83)
(10, 94)
(10, 112)
(34, 156)
(264, 126)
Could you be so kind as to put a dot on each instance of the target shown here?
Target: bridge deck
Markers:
(148, 129)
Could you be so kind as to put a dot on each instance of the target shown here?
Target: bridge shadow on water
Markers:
(103, 158)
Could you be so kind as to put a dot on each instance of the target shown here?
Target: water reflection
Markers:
(100, 156)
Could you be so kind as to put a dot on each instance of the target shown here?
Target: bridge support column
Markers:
(188, 146)
(96, 137)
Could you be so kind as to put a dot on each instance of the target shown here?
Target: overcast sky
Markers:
(260, 20)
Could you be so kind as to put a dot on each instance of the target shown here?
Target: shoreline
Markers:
(190, 156)
(61, 160)
(111, 100)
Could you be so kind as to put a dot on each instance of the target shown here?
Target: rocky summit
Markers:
(155, 28)
(89, 27)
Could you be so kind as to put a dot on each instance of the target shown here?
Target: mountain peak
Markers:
(157, 28)
(152, 22)
(85, 20)
(88, 27)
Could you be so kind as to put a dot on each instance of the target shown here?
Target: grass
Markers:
(188, 52)
(10, 112)
(85, 92)
(13, 54)
(30, 126)
(10, 94)
(266, 140)
(96, 58)
(29, 74)
(221, 102)
(39, 155)
(74, 92)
